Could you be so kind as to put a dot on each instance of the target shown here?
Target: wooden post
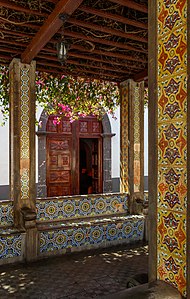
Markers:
(169, 131)
(22, 148)
(132, 140)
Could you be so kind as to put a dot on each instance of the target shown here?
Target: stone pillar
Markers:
(42, 134)
(169, 129)
(22, 144)
(132, 138)
(107, 179)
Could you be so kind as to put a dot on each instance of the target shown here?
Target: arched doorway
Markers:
(72, 151)
(49, 129)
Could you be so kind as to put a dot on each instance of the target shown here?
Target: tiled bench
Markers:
(12, 241)
(68, 224)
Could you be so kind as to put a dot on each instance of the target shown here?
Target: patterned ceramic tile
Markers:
(171, 15)
(129, 228)
(124, 137)
(6, 214)
(76, 207)
(172, 232)
(172, 188)
(172, 141)
(172, 54)
(172, 98)
(10, 245)
(172, 269)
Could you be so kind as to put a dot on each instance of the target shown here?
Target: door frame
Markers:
(106, 155)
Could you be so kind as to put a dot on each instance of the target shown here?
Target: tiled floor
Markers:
(87, 274)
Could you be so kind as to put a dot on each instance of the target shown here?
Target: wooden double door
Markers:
(73, 148)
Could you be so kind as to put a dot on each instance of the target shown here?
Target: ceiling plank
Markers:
(49, 28)
(132, 5)
(105, 29)
(114, 17)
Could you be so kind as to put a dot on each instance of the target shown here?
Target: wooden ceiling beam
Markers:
(76, 55)
(131, 4)
(114, 17)
(103, 41)
(109, 54)
(81, 70)
(141, 76)
(16, 7)
(92, 58)
(102, 61)
(89, 66)
(82, 49)
(105, 29)
(49, 28)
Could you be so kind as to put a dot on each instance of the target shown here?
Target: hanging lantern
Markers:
(62, 51)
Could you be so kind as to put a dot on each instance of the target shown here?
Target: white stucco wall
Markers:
(146, 142)
(4, 153)
(115, 146)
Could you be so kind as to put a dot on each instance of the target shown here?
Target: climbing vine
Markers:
(64, 95)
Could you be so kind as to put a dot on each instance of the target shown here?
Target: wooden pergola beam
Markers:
(81, 70)
(103, 41)
(105, 29)
(109, 54)
(142, 76)
(80, 48)
(132, 5)
(16, 7)
(86, 64)
(114, 17)
(49, 28)
(92, 58)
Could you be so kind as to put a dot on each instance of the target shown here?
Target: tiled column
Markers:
(22, 142)
(132, 137)
(169, 163)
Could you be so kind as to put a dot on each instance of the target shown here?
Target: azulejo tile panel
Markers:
(172, 248)
(129, 228)
(172, 54)
(6, 214)
(172, 99)
(171, 15)
(172, 141)
(24, 131)
(10, 245)
(172, 188)
(76, 207)
(124, 137)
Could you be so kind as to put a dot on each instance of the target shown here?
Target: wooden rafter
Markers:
(103, 41)
(110, 54)
(105, 29)
(83, 49)
(16, 7)
(49, 28)
(131, 4)
(114, 17)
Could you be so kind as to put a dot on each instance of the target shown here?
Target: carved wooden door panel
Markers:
(59, 166)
